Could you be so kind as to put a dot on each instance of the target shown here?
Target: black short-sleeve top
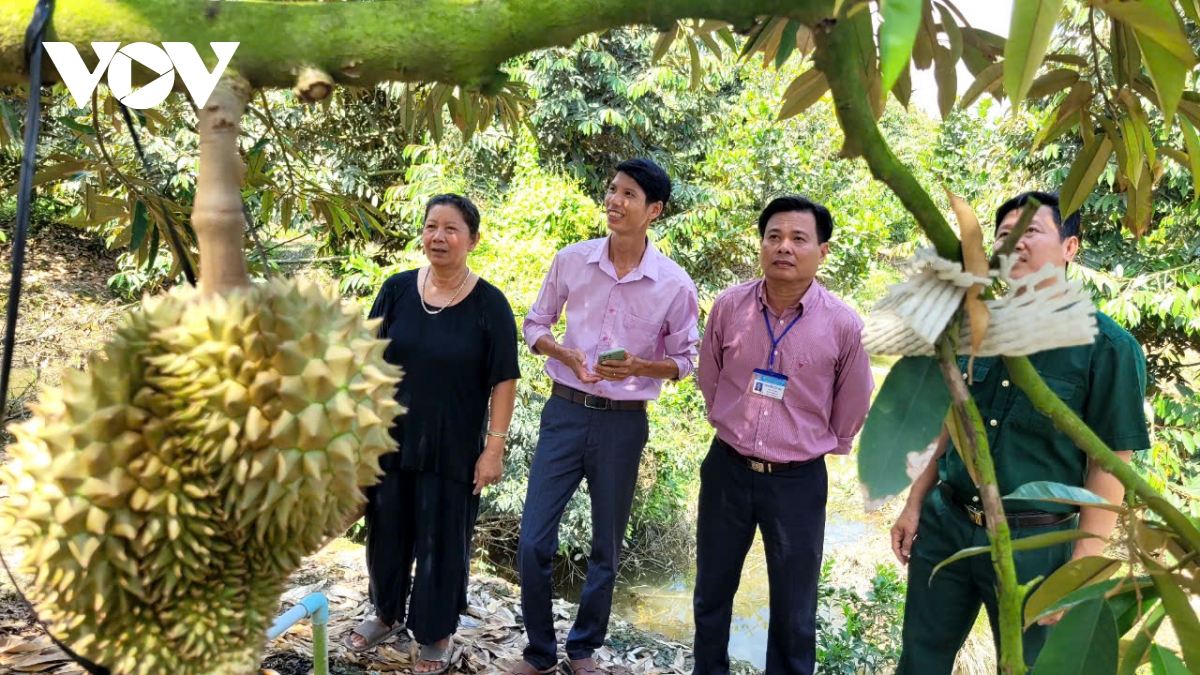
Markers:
(451, 360)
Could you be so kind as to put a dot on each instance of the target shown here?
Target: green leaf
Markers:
(1068, 60)
(714, 47)
(154, 242)
(1067, 579)
(1023, 544)
(727, 37)
(1053, 82)
(1127, 56)
(1168, 73)
(897, 34)
(1129, 608)
(1085, 171)
(1139, 207)
(1085, 642)
(1055, 128)
(1079, 96)
(1136, 652)
(85, 129)
(1148, 18)
(285, 212)
(10, 120)
(1028, 37)
(664, 43)
(140, 225)
(1100, 589)
(804, 91)
(905, 418)
(952, 31)
(1183, 617)
(945, 73)
(988, 80)
(756, 35)
(1192, 142)
(1164, 662)
(787, 43)
(265, 206)
(903, 89)
(926, 42)
(65, 169)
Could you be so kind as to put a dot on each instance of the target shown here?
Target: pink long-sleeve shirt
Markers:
(652, 313)
(829, 375)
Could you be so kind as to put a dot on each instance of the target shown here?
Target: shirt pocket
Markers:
(1028, 417)
(810, 383)
(641, 335)
(980, 372)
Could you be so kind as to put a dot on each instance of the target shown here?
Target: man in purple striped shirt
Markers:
(632, 321)
(786, 382)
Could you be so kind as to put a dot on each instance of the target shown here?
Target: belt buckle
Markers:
(976, 515)
(757, 466)
(590, 399)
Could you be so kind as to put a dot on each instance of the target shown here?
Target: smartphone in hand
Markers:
(617, 354)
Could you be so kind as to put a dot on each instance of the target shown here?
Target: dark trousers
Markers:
(422, 517)
(789, 508)
(939, 616)
(604, 446)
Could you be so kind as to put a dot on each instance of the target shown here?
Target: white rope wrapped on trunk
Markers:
(1025, 321)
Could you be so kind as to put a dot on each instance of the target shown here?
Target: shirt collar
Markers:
(809, 300)
(648, 267)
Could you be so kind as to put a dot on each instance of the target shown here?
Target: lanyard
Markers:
(775, 341)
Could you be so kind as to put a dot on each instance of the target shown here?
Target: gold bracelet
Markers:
(498, 434)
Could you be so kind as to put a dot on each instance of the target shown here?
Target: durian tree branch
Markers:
(840, 59)
(1044, 399)
(1009, 590)
(362, 43)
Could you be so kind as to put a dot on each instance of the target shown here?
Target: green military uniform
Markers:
(1105, 383)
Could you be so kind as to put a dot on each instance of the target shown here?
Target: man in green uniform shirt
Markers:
(1104, 382)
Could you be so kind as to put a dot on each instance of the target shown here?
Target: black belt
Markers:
(1015, 519)
(594, 402)
(759, 465)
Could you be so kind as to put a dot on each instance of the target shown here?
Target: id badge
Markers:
(769, 383)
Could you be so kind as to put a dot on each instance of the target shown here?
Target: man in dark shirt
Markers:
(1104, 383)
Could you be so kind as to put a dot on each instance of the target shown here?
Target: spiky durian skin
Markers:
(165, 494)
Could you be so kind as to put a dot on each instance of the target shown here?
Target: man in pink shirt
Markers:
(786, 382)
(637, 308)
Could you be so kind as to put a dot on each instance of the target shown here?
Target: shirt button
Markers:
(760, 442)
(964, 376)
(975, 499)
(611, 310)
(766, 413)
(993, 423)
(1004, 383)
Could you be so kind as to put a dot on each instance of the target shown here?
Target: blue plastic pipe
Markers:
(316, 606)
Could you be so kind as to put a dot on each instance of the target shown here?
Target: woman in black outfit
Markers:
(455, 337)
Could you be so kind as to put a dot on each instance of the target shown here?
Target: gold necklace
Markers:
(452, 298)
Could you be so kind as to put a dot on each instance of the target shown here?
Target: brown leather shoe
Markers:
(584, 667)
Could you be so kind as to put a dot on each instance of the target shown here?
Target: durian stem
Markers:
(217, 215)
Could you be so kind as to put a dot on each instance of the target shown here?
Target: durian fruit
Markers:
(164, 495)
